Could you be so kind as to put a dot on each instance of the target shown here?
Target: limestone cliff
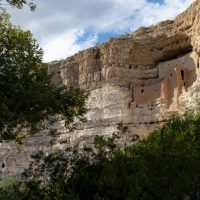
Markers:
(138, 79)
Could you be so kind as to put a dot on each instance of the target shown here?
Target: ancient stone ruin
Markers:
(138, 79)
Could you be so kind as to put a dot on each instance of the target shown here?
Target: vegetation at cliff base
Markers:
(27, 96)
(164, 166)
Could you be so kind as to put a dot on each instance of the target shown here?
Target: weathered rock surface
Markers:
(138, 79)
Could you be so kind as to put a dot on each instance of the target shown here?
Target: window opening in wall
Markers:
(130, 66)
(129, 86)
(142, 91)
(198, 65)
(3, 165)
(184, 84)
(182, 74)
(97, 55)
(171, 74)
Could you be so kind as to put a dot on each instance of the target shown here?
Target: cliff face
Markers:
(129, 78)
(138, 79)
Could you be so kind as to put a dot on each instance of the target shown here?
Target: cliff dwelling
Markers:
(174, 77)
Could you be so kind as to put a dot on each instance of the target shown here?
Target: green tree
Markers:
(27, 95)
(18, 3)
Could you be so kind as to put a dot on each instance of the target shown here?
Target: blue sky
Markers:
(156, 1)
(104, 36)
(66, 27)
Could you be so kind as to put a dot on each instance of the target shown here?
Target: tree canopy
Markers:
(18, 3)
(27, 95)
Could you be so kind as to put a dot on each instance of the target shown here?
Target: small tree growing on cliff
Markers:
(27, 95)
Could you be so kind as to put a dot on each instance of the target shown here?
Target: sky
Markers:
(64, 27)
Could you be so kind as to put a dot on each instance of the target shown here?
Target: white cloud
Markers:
(65, 44)
(58, 24)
